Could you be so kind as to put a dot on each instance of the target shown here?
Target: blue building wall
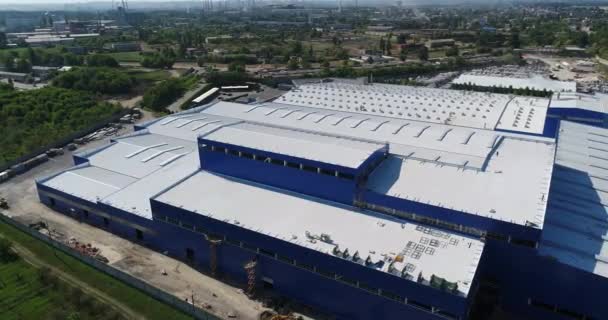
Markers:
(578, 115)
(454, 216)
(312, 288)
(521, 274)
(311, 183)
(338, 298)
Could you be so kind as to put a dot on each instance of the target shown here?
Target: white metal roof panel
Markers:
(461, 108)
(513, 187)
(89, 182)
(307, 145)
(380, 237)
(576, 231)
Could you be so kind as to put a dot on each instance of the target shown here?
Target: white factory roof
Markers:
(512, 188)
(592, 102)
(459, 108)
(382, 238)
(536, 82)
(126, 173)
(576, 227)
(89, 183)
(347, 152)
(461, 146)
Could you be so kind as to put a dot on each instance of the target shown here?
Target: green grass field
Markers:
(129, 296)
(22, 296)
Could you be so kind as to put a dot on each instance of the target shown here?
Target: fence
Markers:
(64, 141)
(156, 293)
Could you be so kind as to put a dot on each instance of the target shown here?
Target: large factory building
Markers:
(365, 201)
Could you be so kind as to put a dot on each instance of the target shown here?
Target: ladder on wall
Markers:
(250, 269)
(213, 259)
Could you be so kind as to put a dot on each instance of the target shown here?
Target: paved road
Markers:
(175, 106)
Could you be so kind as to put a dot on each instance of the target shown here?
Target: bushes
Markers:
(30, 119)
(101, 60)
(6, 251)
(98, 80)
(157, 98)
(227, 78)
(158, 61)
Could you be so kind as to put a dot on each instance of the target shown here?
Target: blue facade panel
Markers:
(318, 185)
(329, 295)
(454, 216)
(522, 275)
(312, 286)
(578, 115)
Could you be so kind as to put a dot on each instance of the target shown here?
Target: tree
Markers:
(101, 60)
(236, 66)
(293, 63)
(423, 54)
(402, 38)
(389, 45)
(452, 52)
(3, 41)
(515, 43)
(23, 65)
(382, 45)
(6, 251)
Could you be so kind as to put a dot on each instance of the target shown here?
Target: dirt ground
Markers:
(181, 280)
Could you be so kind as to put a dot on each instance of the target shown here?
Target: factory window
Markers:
(249, 247)
(347, 281)
(267, 253)
(328, 172)
(571, 314)
(310, 169)
(419, 305)
(366, 287)
(85, 213)
(200, 229)
(277, 162)
(447, 315)
(187, 226)
(190, 254)
(52, 202)
(139, 234)
(525, 243)
(233, 152)
(392, 296)
(552, 308)
(496, 236)
(233, 242)
(220, 149)
(246, 155)
(304, 266)
(285, 259)
(293, 165)
(346, 176)
(106, 221)
(325, 273)
(172, 221)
